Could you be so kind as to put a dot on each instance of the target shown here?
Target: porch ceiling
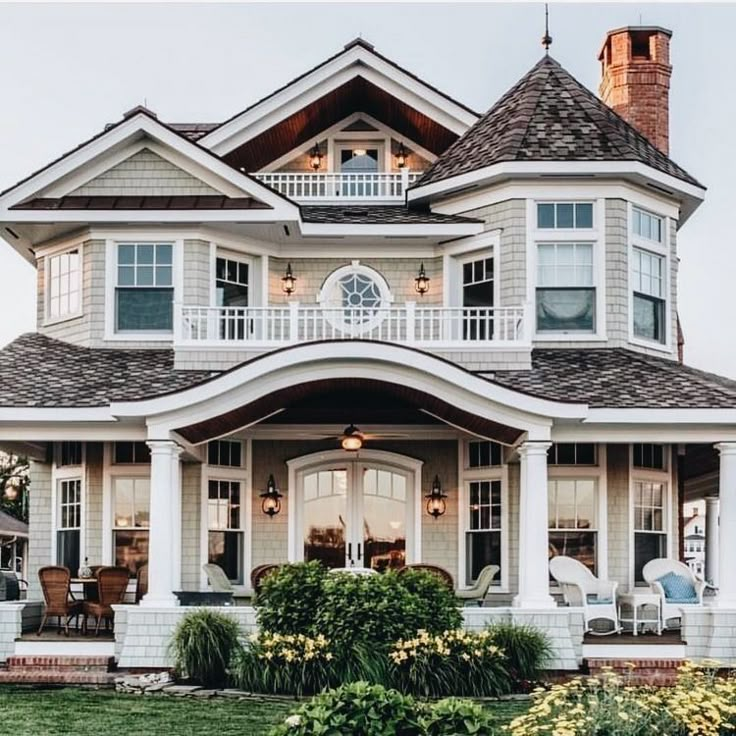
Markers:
(346, 400)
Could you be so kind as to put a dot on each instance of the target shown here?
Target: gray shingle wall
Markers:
(197, 277)
(617, 273)
(191, 504)
(144, 174)
(39, 527)
(93, 500)
(617, 459)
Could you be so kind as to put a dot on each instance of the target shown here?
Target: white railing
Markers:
(296, 323)
(342, 187)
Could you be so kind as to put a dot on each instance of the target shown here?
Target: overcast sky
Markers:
(69, 69)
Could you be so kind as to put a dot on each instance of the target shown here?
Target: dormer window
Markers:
(64, 285)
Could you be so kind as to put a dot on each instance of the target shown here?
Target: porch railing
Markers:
(308, 186)
(297, 323)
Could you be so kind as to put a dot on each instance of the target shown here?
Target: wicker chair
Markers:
(440, 572)
(260, 573)
(55, 582)
(112, 582)
(141, 583)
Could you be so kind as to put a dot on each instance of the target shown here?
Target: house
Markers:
(694, 542)
(363, 323)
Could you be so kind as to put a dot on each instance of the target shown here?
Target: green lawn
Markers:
(47, 712)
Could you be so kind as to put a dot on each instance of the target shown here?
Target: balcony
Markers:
(444, 328)
(336, 187)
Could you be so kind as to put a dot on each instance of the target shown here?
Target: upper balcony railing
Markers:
(319, 187)
(430, 327)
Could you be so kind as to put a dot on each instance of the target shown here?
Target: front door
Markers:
(355, 514)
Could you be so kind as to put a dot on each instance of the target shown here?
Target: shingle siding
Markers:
(93, 501)
(197, 273)
(191, 505)
(40, 500)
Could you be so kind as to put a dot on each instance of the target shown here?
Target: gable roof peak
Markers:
(139, 109)
(358, 41)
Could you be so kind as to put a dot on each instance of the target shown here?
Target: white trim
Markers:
(61, 473)
(47, 257)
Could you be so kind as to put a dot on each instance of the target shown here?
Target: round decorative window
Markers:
(355, 298)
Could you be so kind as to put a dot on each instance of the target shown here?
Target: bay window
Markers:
(648, 276)
(566, 293)
(573, 513)
(144, 287)
(564, 215)
(650, 536)
(225, 535)
(131, 519)
(64, 281)
(69, 524)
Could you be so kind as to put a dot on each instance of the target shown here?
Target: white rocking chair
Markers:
(673, 605)
(582, 589)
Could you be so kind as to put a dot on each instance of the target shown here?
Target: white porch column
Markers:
(727, 543)
(165, 519)
(176, 513)
(533, 528)
(712, 509)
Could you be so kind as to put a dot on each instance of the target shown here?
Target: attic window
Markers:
(640, 46)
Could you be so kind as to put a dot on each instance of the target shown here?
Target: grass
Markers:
(47, 712)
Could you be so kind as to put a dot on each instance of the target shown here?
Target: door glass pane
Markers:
(325, 517)
(384, 526)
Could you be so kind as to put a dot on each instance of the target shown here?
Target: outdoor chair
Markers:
(55, 584)
(580, 588)
(141, 583)
(260, 573)
(676, 585)
(219, 582)
(112, 582)
(478, 592)
(440, 572)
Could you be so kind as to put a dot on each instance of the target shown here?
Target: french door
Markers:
(355, 514)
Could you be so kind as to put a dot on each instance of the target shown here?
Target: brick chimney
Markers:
(635, 82)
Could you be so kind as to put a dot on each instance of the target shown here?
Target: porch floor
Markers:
(667, 638)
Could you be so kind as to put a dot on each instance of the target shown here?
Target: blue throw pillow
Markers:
(677, 589)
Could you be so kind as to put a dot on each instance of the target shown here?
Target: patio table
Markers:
(639, 599)
(89, 587)
(355, 570)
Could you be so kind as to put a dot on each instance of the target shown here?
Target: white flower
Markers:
(293, 721)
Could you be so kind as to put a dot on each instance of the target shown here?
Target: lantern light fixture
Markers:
(401, 157)
(12, 488)
(436, 505)
(288, 281)
(271, 504)
(421, 282)
(315, 157)
(352, 439)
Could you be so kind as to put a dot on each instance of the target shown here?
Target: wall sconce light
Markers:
(315, 157)
(288, 281)
(271, 504)
(401, 157)
(436, 505)
(421, 282)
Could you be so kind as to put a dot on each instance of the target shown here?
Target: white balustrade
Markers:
(312, 186)
(296, 323)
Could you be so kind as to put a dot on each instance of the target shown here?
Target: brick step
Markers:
(28, 662)
(56, 677)
(646, 671)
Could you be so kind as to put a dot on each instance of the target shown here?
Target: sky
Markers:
(68, 69)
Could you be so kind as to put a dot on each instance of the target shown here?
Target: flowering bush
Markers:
(456, 662)
(700, 704)
(284, 663)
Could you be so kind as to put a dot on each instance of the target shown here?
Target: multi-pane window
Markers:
(650, 536)
(70, 453)
(564, 215)
(144, 293)
(572, 453)
(69, 523)
(565, 288)
(225, 536)
(647, 226)
(648, 278)
(131, 453)
(64, 284)
(231, 287)
(225, 453)
(572, 519)
(477, 299)
(648, 455)
(483, 530)
(484, 454)
(131, 518)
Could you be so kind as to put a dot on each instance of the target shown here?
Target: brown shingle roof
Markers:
(549, 116)
(376, 215)
(128, 202)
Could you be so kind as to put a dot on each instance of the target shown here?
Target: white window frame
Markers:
(655, 476)
(460, 252)
(47, 258)
(111, 281)
(598, 473)
(556, 202)
(254, 287)
(243, 475)
(659, 249)
(67, 473)
(467, 475)
(595, 236)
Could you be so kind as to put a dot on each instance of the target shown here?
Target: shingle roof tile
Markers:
(376, 215)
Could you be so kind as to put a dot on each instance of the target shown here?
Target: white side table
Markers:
(636, 600)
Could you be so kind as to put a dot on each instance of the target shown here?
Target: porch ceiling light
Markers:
(421, 282)
(315, 157)
(436, 505)
(352, 439)
(271, 504)
(401, 157)
(288, 281)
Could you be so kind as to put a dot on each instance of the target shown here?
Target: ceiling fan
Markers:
(352, 438)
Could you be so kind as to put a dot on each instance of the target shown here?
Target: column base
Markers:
(543, 601)
(160, 601)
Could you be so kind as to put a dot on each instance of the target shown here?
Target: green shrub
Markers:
(455, 717)
(440, 611)
(202, 645)
(358, 709)
(527, 649)
(452, 663)
(290, 597)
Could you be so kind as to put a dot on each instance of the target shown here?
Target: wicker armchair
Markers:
(112, 582)
(260, 573)
(55, 582)
(440, 572)
(141, 583)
